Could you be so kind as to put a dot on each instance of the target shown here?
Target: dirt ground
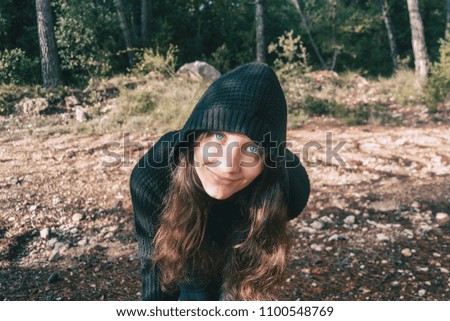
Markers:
(375, 228)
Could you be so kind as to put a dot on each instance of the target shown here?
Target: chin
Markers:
(218, 195)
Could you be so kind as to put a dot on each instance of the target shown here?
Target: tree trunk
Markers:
(51, 74)
(260, 41)
(308, 31)
(390, 32)
(125, 30)
(145, 13)
(418, 40)
(447, 30)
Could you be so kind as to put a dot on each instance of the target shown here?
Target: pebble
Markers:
(45, 233)
(442, 219)
(77, 217)
(333, 237)
(51, 243)
(54, 255)
(33, 208)
(382, 237)
(318, 225)
(349, 220)
(444, 270)
(83, 241)
(56, 200)
(406, 252)
(422, 292)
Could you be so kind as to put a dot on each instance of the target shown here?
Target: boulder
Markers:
(199, 70)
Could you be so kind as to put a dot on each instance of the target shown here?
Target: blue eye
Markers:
(252, 149)
(218, 136)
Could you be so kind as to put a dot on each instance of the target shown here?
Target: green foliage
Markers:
(291, 55)
(79, 28)
(17, 68)
(149, 60)
(221, 58)
(437, 89)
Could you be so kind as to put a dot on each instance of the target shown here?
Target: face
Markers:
(226, 163)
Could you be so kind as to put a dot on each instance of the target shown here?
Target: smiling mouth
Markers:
(220, 178)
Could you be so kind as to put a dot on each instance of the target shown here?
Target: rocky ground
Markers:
(375, 228)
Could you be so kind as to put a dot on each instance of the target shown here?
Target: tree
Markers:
(308, 31)
(260, 41)
(390, 32)
(418, 40)
(125, 30)
(51, 74)
(145, 13)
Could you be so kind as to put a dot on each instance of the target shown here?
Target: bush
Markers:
(437, 89)
(17, 68)
(150, 60)
(291, 55)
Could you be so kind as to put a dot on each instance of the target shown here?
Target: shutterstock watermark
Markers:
(215, 154)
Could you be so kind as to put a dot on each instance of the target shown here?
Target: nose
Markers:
(231, 162)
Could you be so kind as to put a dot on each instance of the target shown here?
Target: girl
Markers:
(212, 200)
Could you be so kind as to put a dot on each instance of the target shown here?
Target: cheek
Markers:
(251, 173)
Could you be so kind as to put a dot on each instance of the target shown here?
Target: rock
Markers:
(51, 243)
(80, 114)
(422, 292)
(406, 252)
(45, 233)
(318, 225)
(54, 255)
(33, 208)
(424, 228)
(382, 237)
(77, 217)
(442, 219)
(337, 237)
(32, 106)
(83, 241)
(58, 245)
(56, 200)
(350, 220)
(108, 235)
(73, 230)
(444, 270)
(199, 70)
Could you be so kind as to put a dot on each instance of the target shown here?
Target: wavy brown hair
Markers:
(256, 256)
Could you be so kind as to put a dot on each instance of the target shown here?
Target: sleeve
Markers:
(148, 184)
(299, 187)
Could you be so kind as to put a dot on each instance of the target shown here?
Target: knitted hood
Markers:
(248, 100)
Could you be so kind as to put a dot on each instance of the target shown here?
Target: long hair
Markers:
(255, 258)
